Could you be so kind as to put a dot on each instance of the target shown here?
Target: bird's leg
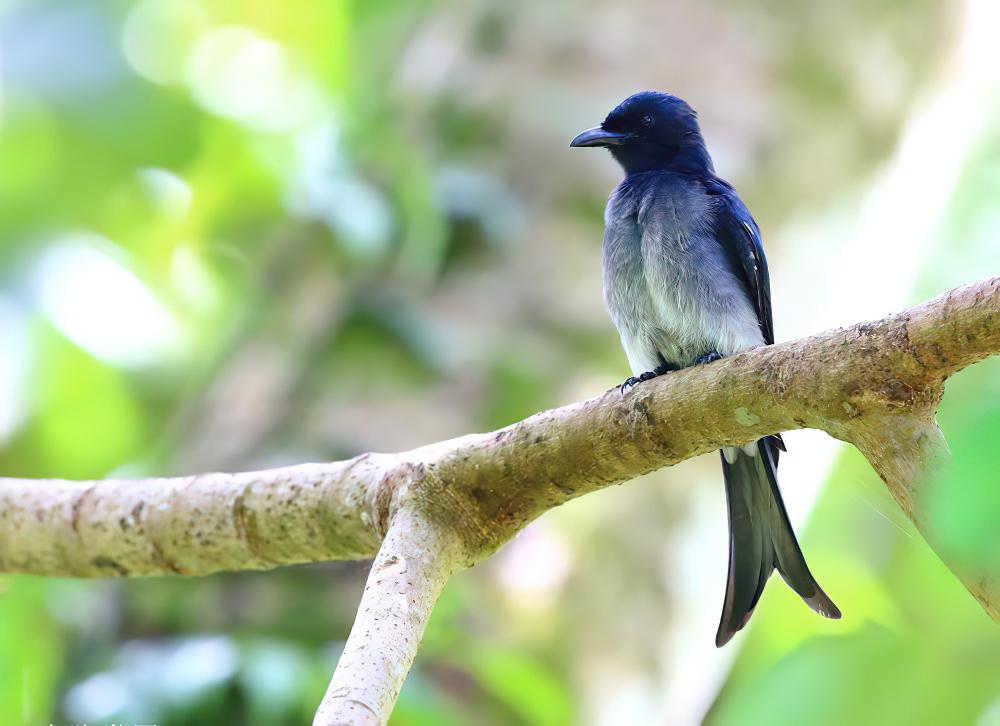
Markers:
(664, 367)
(708, 358)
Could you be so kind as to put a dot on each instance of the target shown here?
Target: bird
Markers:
(686, 283)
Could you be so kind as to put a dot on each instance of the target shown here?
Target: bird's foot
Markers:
(636, 380)
(708, 358)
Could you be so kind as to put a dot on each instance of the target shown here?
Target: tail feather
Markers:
(790, 561)
(760, 540)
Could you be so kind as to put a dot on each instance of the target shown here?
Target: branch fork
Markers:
(427, 513)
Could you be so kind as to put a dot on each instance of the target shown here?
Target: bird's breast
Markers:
(666, 281)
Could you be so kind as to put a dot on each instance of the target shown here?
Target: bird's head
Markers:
(650, 131)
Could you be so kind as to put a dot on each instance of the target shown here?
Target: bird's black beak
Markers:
(598, 137)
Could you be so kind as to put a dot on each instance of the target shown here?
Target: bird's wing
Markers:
(739, 236)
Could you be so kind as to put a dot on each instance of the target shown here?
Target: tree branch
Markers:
(875, 385)
(193, 525)
(408, 574)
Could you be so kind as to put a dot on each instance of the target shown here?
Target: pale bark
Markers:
(412, 566)
(448, 505)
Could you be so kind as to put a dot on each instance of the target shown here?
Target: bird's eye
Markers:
(647, 121)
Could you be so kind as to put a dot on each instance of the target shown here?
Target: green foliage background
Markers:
(300, 230)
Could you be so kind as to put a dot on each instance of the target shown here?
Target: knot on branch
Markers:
(886, 375)
(390, 493)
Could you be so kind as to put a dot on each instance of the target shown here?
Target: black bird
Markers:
(686, 282)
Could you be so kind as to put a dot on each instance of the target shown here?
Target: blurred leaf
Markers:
(421, 703)
(30, 652)
(86, 420)
(868, 677)
(527, 687)
(963, 503)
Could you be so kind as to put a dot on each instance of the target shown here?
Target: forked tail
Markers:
(760, 540)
